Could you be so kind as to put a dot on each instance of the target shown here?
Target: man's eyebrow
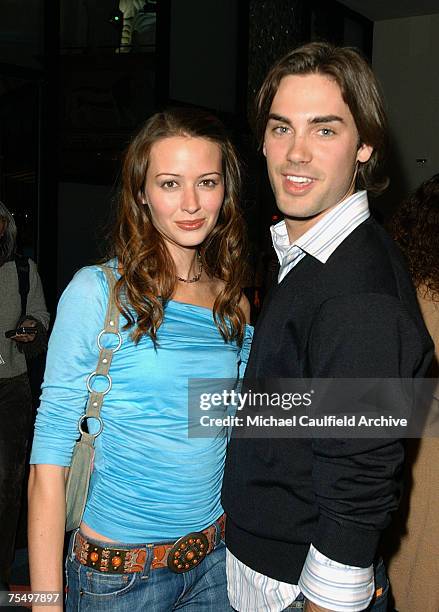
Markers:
(275, 117)
(313, 120)
(326, 119)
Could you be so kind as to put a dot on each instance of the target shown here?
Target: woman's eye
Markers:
(169, 184)
(208, 183)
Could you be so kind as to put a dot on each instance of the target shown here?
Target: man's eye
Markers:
(326, 132)
(281, 129)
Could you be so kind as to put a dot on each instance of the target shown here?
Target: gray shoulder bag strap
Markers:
(82, 459)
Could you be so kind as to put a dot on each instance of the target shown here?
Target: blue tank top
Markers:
(151, 482)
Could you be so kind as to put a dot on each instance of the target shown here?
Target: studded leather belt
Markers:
(181, 556)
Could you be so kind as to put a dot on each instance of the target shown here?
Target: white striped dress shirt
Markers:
(330, 584)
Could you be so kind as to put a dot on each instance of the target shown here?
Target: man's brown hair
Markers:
(359, 90)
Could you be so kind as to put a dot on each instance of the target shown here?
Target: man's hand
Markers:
(313, 607)
(25, 337)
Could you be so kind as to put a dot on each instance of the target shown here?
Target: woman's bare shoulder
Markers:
(218, 286)
(244, 304)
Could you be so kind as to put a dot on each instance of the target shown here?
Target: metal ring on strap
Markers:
(119, 338)
(84, 418)
(107, 376)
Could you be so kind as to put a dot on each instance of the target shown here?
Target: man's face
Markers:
(312, 146)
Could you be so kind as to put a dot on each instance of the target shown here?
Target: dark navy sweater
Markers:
(356, 316)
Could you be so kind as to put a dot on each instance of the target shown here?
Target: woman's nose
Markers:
(190, 201)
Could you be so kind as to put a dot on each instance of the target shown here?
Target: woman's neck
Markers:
(186, 261)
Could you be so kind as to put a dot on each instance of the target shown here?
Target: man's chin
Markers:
(301, 215)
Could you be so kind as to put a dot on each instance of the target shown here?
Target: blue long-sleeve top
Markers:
(150, 482)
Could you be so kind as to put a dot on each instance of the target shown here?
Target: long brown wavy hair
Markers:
(415, 227)
(359, 89)
(148, 273)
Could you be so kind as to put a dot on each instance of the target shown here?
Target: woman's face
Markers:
(184, 188)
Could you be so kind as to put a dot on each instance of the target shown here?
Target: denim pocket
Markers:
(101, 584)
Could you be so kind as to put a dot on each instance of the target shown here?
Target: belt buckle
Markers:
(188, 552)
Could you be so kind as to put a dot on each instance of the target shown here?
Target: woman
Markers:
(414, 564)
(178, 256)
(27, 311)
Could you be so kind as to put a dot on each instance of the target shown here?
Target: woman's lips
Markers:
(190, 225)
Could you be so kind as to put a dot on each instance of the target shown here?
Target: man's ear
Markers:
(364, 152)
(264, 149)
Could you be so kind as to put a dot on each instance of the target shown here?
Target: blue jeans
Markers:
(203, 589)
(379, 602)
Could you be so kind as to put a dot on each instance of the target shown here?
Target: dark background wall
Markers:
(203, 53)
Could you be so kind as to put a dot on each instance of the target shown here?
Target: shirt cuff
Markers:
(333, 585)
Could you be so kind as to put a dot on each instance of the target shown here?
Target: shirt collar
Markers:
(328, 233)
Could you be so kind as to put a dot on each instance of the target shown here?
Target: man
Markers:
(305, 515)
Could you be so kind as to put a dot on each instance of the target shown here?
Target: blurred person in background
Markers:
(414, 567)
(22, 306)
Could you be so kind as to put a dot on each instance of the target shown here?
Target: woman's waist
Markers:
(148, 522)
(156, 487)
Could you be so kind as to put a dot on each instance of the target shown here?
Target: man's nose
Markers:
(299, 151)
